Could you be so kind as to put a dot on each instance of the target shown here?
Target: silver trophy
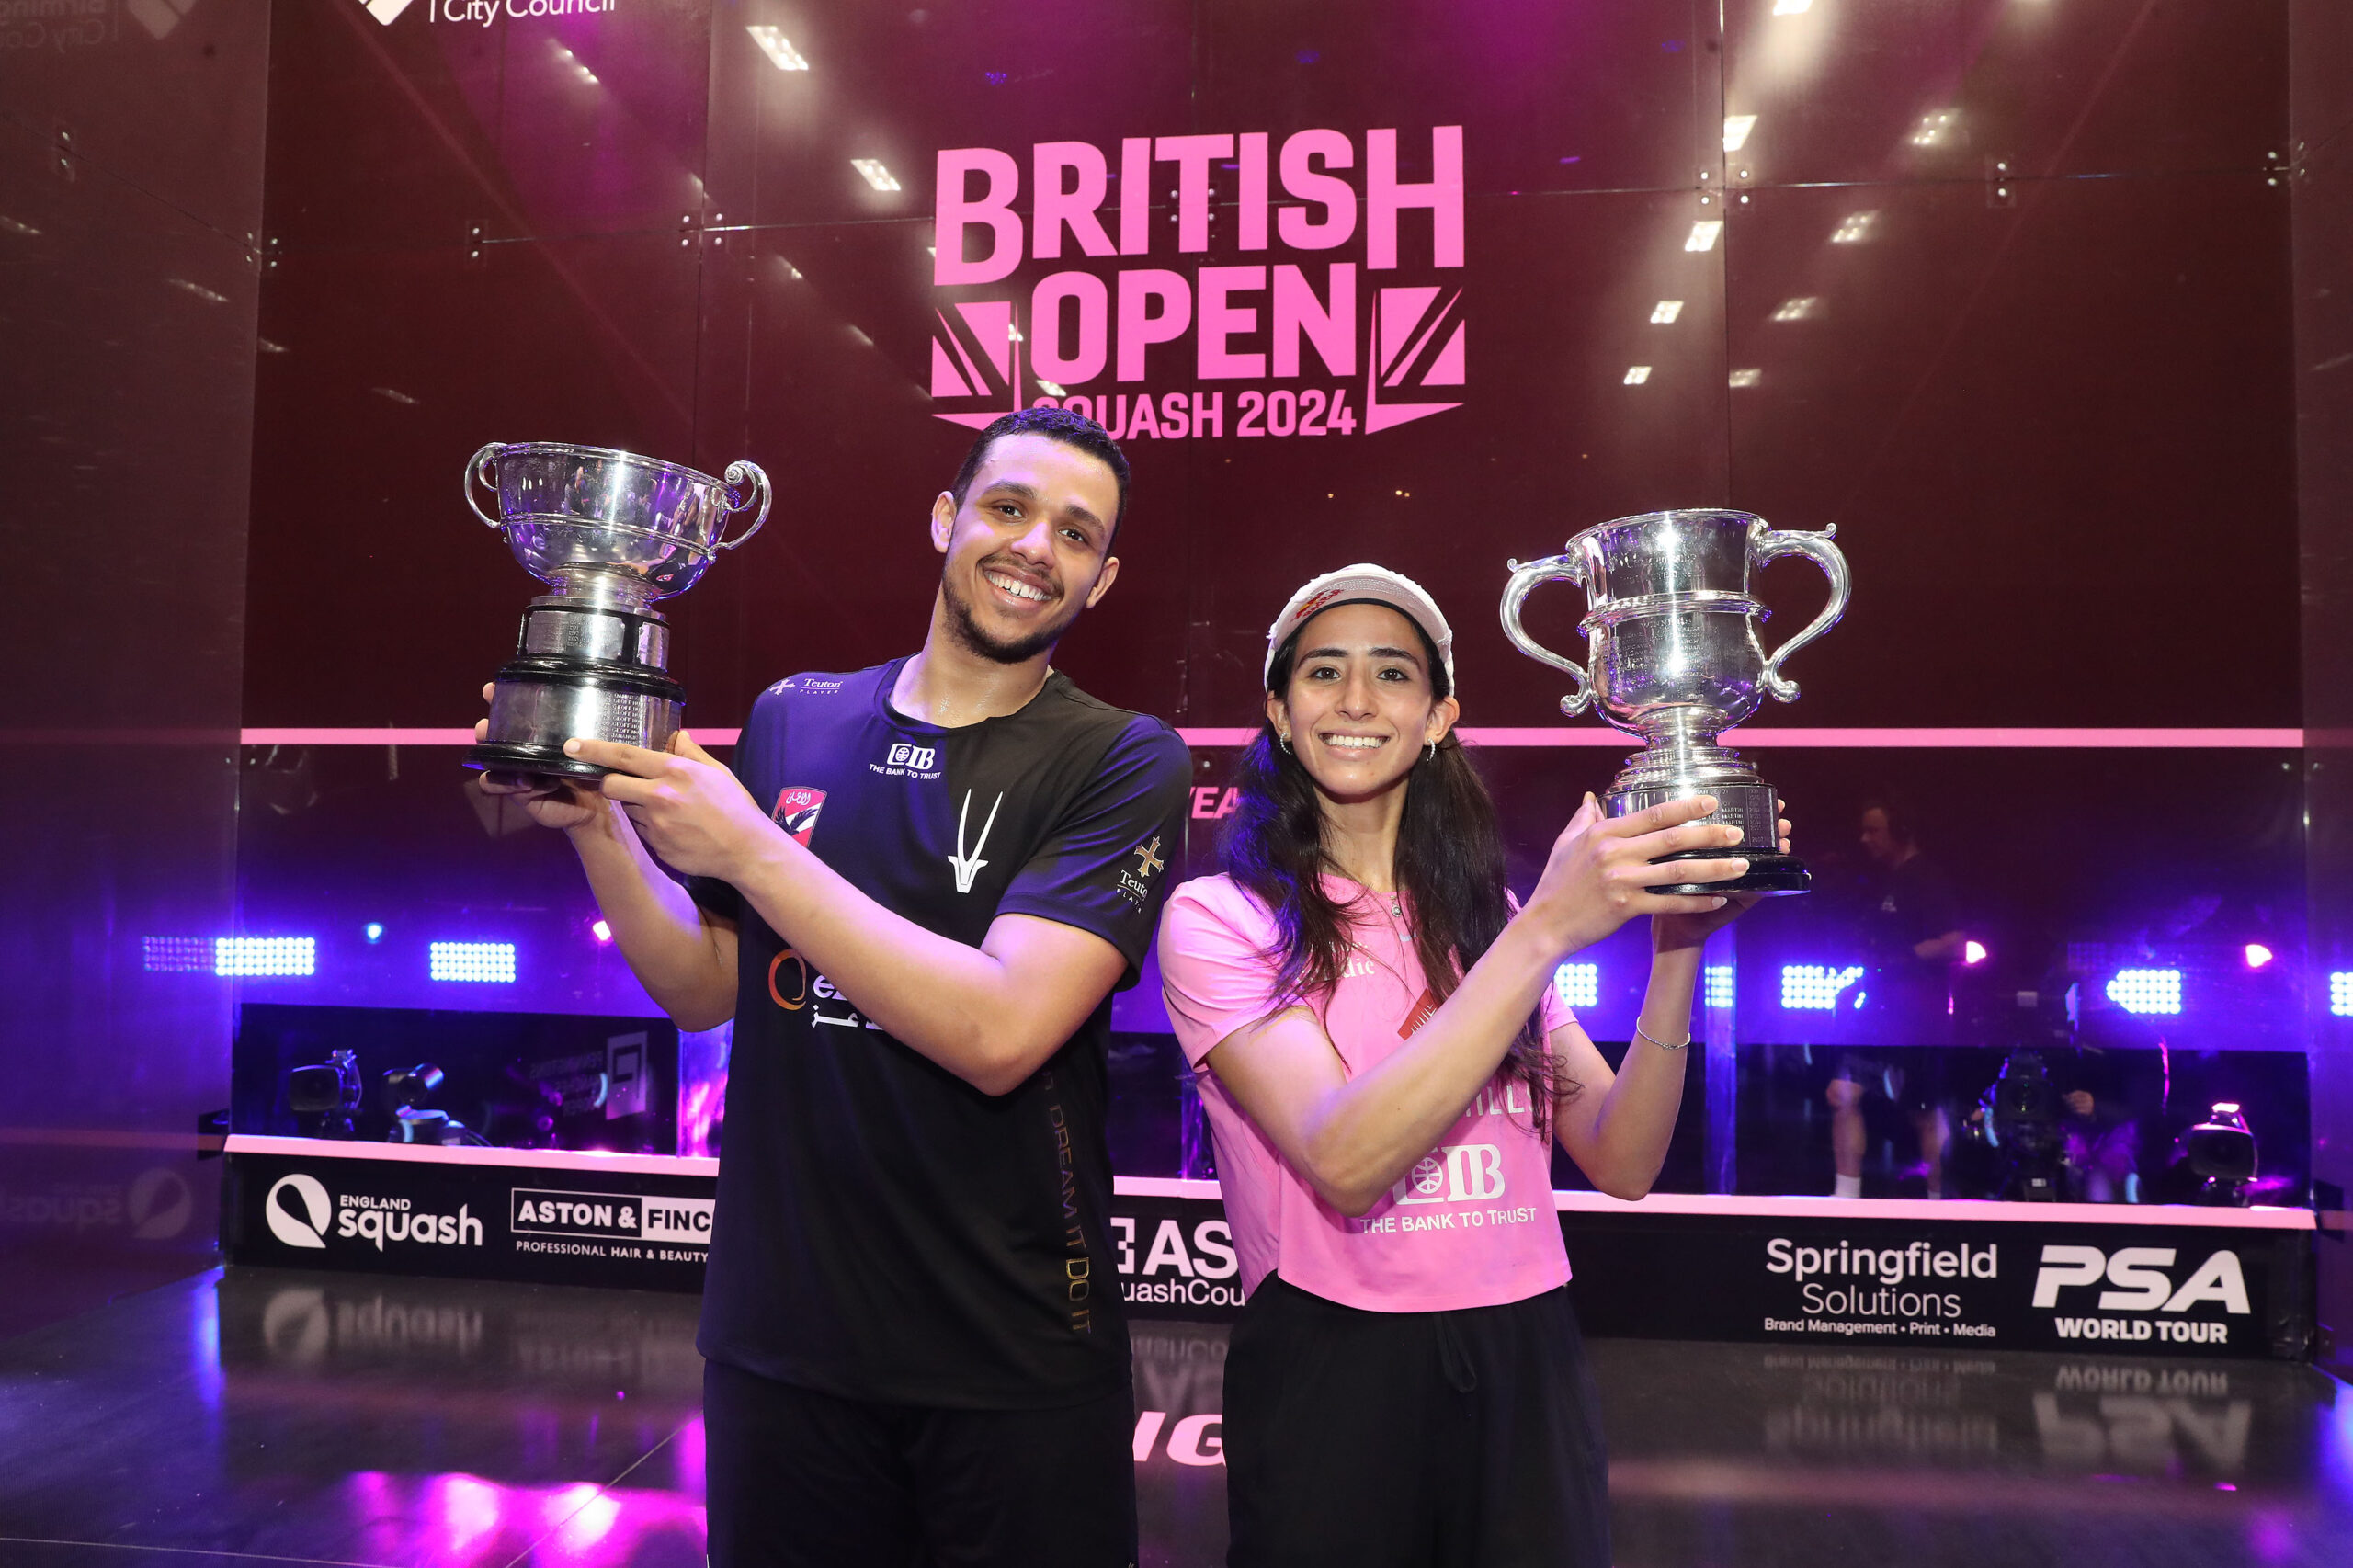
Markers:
(611, 533)
(1672, 655)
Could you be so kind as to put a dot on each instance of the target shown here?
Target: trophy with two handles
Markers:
(1672, 655)
(611, 533)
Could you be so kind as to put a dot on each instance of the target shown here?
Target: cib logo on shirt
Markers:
(919, 758)
(1454, 1173)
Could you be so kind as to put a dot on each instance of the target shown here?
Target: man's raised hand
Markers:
(686, 806)
(549, 803)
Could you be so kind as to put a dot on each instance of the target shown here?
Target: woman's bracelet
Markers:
(1679, 1045)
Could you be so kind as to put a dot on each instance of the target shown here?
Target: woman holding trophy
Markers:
(1385, 1063)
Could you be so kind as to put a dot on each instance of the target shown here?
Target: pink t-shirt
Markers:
(1471, 1225)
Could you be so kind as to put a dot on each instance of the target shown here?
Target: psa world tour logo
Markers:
(1337, 311)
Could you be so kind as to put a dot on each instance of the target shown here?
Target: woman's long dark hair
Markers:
(1449, 864)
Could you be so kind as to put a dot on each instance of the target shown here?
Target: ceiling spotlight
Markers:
(1802, 308)
(1792, 7)
(1746, 377)
(1736, 130)
(1637, 374)
(1703, 234)
(880, 177)
(1666, 311)
(1854, 228)
(777, 48)
(1933, 128)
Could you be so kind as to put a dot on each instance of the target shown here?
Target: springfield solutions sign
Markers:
(1339, 313)
(2185, 1290)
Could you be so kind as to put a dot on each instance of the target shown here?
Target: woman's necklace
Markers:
(1396, 907)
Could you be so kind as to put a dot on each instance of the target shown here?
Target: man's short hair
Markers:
(1056, 424)
(1902, 825)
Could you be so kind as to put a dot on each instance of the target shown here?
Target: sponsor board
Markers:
(1951, 1286)
(482, 13)
(470, 1221)
(1173, 1257)
(1903, 1285)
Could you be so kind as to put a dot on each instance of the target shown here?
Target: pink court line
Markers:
(1725, 1206)
(1995, 738)
(1782, 1206)
(433, 1154)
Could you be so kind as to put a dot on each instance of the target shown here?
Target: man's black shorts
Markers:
(799, 1478)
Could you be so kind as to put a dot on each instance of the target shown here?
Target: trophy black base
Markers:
(539, 702)
(1768, 875)
(530, 761)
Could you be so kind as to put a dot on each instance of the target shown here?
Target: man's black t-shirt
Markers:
(1910, 994)
(886, 1231)
(1915, 904)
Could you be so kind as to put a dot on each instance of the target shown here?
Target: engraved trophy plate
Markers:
(611, 533)
(1672, 655)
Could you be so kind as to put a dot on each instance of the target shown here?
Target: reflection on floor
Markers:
(443, 1424)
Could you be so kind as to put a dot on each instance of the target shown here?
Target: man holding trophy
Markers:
(914, 894)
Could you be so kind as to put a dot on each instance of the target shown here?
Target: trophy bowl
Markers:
(1673, 656)
(611, 533)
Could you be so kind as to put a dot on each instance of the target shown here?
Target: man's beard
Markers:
(966, 629)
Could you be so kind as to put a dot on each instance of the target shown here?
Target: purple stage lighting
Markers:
(492, 963)
(1578, 984)
(261, 958)
(602, 931)
(1719, 991)
(375, 931)
(1815, 988)
(2340, 993)
(2258, 955)
(176, 955)
(2146, 990)
(1972, 952)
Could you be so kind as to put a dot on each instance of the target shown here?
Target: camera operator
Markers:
(2102, 1126)
(1911, 931)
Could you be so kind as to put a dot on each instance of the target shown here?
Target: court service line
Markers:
(1899, 738)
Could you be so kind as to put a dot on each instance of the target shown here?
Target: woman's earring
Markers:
(1284, 742)
(1431, 754)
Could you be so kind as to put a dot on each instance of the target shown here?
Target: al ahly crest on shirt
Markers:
(796, 811)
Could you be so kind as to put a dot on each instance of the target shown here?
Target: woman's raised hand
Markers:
(1669, 932)
(1600, 874)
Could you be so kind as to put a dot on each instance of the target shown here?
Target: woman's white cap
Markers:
(1360, 584)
